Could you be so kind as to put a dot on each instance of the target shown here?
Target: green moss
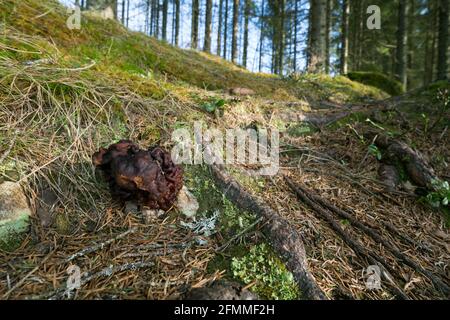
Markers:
(378, 80)
(433, 89)
(128, 58)
(12, 233)
(299, 130)
(63, 224)
(272, 280)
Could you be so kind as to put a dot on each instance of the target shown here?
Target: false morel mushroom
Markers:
(148, 177)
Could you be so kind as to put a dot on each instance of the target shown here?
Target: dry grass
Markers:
(52, 120)
(55, 111)
(354, 188)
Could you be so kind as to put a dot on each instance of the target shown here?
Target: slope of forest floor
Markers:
(65, 93)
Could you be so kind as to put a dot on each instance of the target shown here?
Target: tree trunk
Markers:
(361, 38)
(327, 36)
(443, 42)
(156, 27)
(246, 20)
(164, 19)
(194, 29)
(128, 12)
(225, 32)
(281, 36)
(402, 42)
(234, 47)
(208, 18)
(149, 16)
(219, 30)
(177, 21)
(261, 26)
(316, 49)
(123, 12)
(295, 34)
(344, 37)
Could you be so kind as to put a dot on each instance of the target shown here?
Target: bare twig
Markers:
(353, 244)
(106, 272)
(99, 246)
(378, 238)
(240, 234)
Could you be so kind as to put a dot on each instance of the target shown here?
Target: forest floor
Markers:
(65, 93)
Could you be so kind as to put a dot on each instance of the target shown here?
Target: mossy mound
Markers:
(378, 80)
(147, 66)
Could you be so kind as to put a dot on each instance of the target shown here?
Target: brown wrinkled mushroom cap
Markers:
(148, 176)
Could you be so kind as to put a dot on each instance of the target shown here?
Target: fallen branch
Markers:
(398, 152)
(285, 240)
(353, 244)
(378, 238)
(99, 246)
(106, 272)
(405, 238)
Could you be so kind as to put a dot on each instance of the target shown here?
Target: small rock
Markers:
(14, 212)
(151, 215)
(131, 208)
(187, 203)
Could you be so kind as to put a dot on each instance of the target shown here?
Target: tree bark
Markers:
(443, 42)
(261, 35)
(123, 12)
(156, 27)
(295, 34)
(316, 49)
(219, 29)
(344, 37)
(177, 22)
(149, 16)
(225, 31)
(327, 36)
(208, 18)
(285, 239)
(396, 152)
(164, 19)
(128, 12)
(281, 36)
(402, 42)
(234, 40)
(246, 21)
(194, 27)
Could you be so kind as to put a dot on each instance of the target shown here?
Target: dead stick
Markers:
(355, 245)
(105, 272)
(378, 238)
(99, 246)
(240, 234)
(405, 238)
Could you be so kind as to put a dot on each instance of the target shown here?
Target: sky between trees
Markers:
(288, 36)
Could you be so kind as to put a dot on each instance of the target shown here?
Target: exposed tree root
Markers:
(354, 244)
(285, 240)
(397, 152)
(378, 238)
(389, 175)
